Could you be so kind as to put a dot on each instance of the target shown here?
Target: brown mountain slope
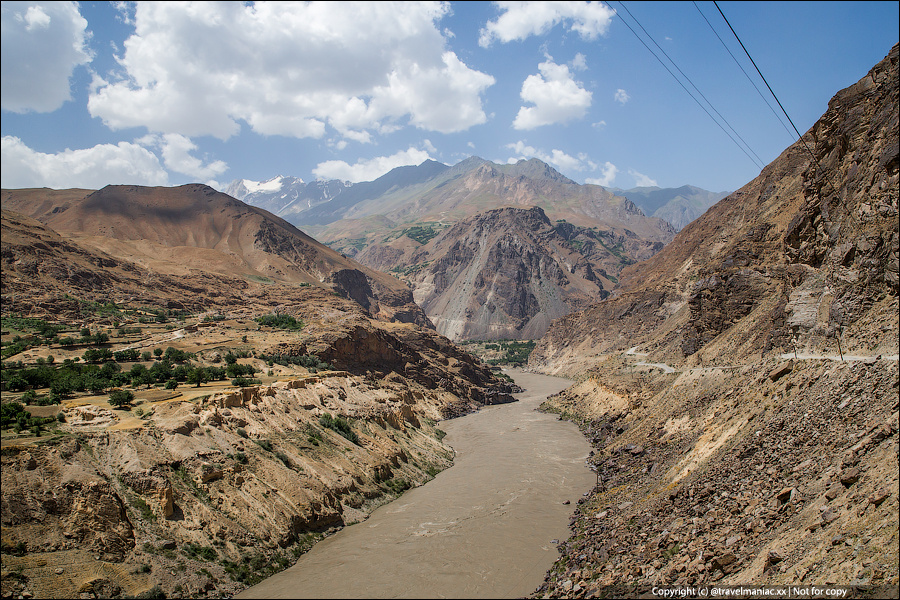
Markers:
(741, 391)
(803, 252)
(200, 491)
(426, 234)
(506, 273)
(186, 230)
(476, 185)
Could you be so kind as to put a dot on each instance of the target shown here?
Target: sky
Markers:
(620, 94)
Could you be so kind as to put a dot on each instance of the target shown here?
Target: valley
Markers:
(210, 390)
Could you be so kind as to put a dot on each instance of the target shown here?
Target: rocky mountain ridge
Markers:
(679, 206)
(506, 273)
(740, 389)
(412, 231)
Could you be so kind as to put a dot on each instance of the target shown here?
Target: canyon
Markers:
(737, 381)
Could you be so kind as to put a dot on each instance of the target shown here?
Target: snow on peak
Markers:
(271, 185)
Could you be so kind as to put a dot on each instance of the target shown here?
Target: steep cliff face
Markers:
(740, 391)
(801, 254)
(506, 273)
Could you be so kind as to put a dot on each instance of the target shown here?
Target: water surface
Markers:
(484, 528)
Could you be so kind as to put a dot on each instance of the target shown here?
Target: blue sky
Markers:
(166, 93)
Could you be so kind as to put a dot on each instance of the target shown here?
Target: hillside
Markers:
(506, 273)
(419, 226)
(679, 206)
(194, 231)
(260, 415)
(740, 388)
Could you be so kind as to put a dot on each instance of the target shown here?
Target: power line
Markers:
(757, 70)
(756, 161)
(727, 49)
(799, 136)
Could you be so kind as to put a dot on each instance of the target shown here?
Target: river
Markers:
(484, 528)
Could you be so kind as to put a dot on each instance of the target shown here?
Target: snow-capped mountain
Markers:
(285, 196)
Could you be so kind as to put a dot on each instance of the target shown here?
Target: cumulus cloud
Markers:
(555, 96)
(608, 174)
(176, 152)
(42, 44)
(90, 168)
(370, 169)
(622, 96)
(641, 180)
(520, 20)
(557, 158)
(292, 69)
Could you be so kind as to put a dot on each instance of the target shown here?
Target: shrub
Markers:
(340, 425)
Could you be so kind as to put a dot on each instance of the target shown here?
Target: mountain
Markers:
(416, 222)
(177, 492)
(194, 230)
(740, 387)
(285, 196)
(506, 273)
(679, 206)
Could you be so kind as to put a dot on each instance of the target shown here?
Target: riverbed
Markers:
(487, 527)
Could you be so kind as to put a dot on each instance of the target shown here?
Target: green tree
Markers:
(119, 398)
(197, 376)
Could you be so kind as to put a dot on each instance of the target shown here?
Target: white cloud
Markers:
(556, 97)
(42, 44)
(292, 69)
(370, 169)
(36, 18)
(176, 153)
(557, 158)
(523, 19)
(608, 175)
(579, 63)
(90, 168)
(641, 180)
(622, 96)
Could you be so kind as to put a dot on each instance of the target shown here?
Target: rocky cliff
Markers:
(506, 273)
(740, 389)
(202, 492)
(804, 253)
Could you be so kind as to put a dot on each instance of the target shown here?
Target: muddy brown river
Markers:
(484, 528)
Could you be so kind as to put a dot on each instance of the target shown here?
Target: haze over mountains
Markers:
(288, 197)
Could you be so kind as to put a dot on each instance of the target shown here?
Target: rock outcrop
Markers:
(740, 390)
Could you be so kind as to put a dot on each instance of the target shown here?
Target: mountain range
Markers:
(679, 206)
(188, 232)
(561, 244)
(737, 379)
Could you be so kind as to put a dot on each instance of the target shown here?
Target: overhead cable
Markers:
(799, 136)
(756, 161)
(758, 91)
